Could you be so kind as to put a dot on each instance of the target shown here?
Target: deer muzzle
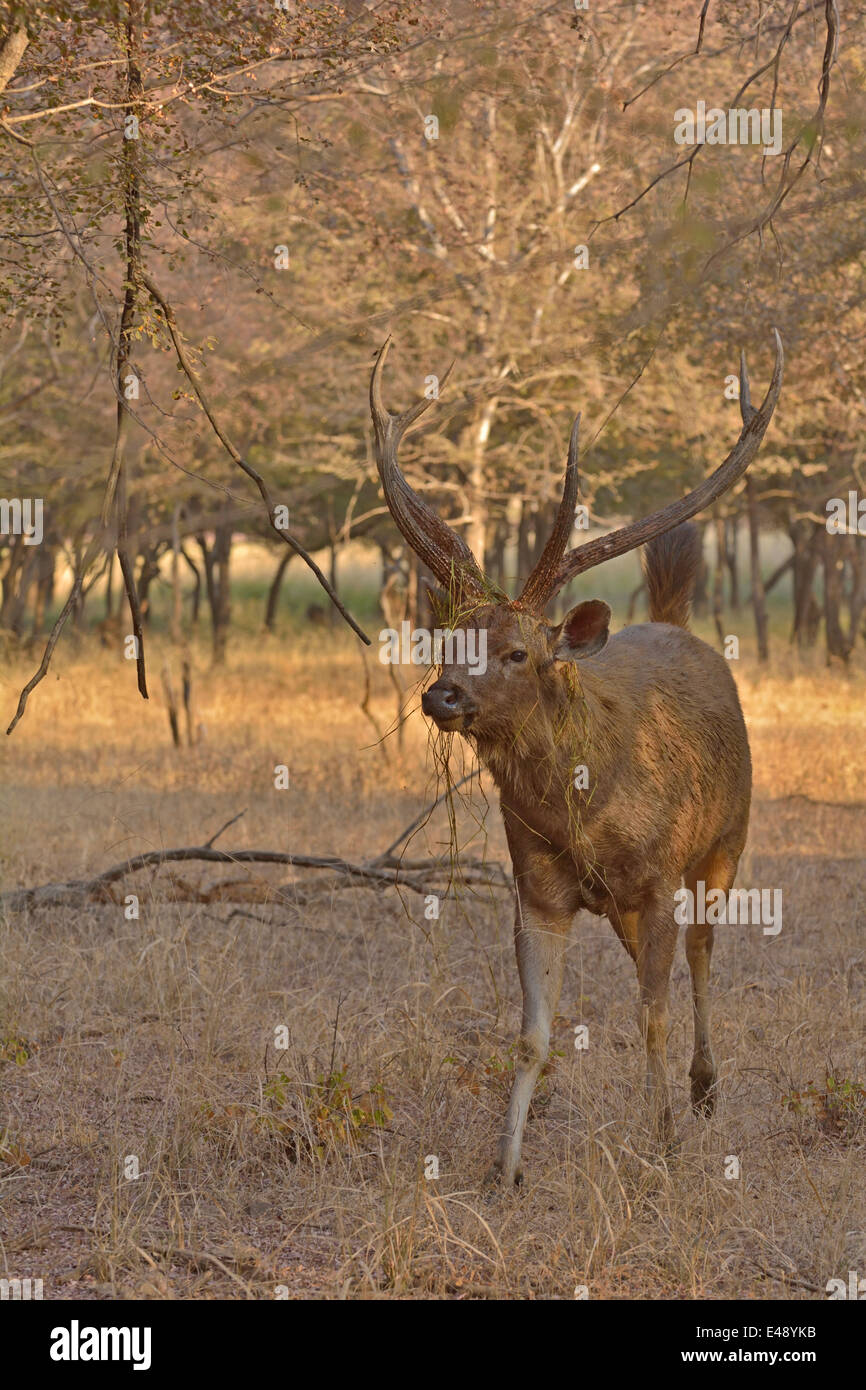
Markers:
(448, 705)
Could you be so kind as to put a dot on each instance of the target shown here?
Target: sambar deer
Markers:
(651, 714)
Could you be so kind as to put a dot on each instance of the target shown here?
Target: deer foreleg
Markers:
(540, 943)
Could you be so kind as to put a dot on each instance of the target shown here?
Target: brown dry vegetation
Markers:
(155, 1037)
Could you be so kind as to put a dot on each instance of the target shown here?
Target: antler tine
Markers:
(433, 541)
(755, 423)
(538, 587)
(383, 421)
(747, 410)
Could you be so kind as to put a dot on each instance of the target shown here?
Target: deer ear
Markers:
(583, 632)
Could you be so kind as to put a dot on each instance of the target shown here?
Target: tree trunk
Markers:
(117, 495)
(731, 529)
(17, 616)
(217, 560)
(524, 542)
(147, 573)
(196, 592)
(176, 595)
(332, 576)
(44, 590)
(833, 563)
(393, 591)
(496, 551)
(207, 561)
(718, 580)
(477, 490)
(222, 607)
(700, 599)
(273, 602)
(806, 538)
(632, 601)
(12, 580)
(857, 601)
(109, 589)
(759, 603)
(778, 573)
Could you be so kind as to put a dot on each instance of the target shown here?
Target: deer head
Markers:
(527, 656)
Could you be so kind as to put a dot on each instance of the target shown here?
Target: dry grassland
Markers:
(303, 1168)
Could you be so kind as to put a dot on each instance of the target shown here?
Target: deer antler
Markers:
(556, 568)
(433, 541)
(537, 588)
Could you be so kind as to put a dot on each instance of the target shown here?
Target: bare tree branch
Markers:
(235, 456)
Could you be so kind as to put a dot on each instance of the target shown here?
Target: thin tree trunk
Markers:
(857, 602)
(109, 589)
(807, 542)
(837, 648)
(496, 555)
(196, 592)
(148, 571)
(176, 595)
(207, 560)
(117, 495)
(731, 530)
(632, 601)
(18, 615)
(11, 580)
(332, 577)
(44, 591)
(188, 705)
(524, 542)
(276, 584)
(778, 573)
(477, 491)
(699, 598)
(413, 589)
(759, 603)
(718, 580)
(221, 609)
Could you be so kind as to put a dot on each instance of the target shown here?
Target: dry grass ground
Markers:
(155, 1038)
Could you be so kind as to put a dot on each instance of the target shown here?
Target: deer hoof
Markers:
(703, 1097)
(495, 1181)
(667, 1136)
(703, 1079)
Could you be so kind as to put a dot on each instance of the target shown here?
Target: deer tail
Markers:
(670, 566)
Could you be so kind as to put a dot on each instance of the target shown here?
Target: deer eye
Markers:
(517, 656)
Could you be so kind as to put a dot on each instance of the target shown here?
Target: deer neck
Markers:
(555, 761)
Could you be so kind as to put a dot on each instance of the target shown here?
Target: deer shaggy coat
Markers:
(622, 762)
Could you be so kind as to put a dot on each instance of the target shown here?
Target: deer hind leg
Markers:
(717, 870)
(540, 943)
(657, 938)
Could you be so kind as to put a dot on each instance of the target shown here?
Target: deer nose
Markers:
(444, 700)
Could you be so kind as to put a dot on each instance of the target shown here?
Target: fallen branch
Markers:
(384, 871)
(99, 888)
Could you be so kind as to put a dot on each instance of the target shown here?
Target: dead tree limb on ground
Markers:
(384, 871)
